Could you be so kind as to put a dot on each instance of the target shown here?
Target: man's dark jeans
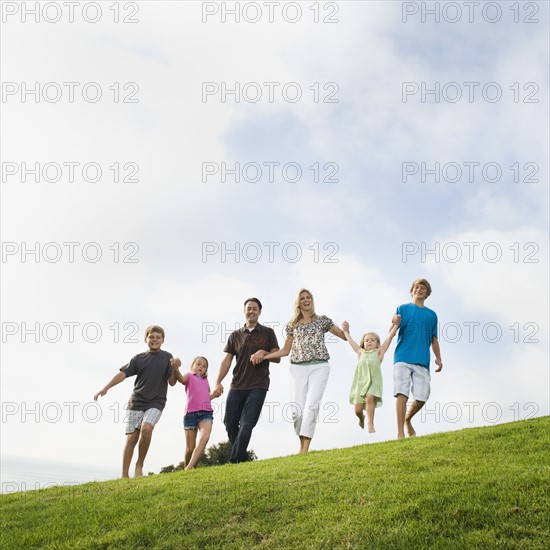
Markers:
(242, 410)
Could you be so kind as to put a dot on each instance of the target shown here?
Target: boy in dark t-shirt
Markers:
(153, 370)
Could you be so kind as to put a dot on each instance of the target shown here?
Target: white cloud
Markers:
(499, 273)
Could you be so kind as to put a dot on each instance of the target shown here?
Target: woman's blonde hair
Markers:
(297, 314)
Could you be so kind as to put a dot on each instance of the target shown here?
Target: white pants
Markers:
(308, 384)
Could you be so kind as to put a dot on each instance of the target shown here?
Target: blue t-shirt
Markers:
(418, 327)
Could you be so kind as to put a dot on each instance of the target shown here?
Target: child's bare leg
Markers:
(129, 446)
(401, 409)
(413, 409)
(190, 442)
(144, 442)
(359, 412)
(304, 444)
(205, 428)
(370, 412)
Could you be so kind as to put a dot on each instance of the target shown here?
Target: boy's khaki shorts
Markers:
(405, 375)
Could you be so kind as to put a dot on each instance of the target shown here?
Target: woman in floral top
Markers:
(309, 365)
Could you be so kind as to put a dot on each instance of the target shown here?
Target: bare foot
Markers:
(410, 429)
(139, 471)
(362, 421)
(401, 436)
(371, 428)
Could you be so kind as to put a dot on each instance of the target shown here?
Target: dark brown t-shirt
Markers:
(152, 370)
(243, 343)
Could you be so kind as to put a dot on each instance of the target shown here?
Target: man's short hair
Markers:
(253, 300)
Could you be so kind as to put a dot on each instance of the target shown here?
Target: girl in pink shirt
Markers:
(198, 410)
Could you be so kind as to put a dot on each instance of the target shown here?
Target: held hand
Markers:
(439, 364)
(100, 393)
(218, 390)
(396, 320)
(345, 326)
(258, 357)
(175, 362)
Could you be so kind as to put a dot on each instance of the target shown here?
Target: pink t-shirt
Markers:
(198, 394)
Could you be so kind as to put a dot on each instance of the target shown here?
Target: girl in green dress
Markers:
(366, 389)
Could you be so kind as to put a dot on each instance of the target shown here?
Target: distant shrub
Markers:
(215, 455)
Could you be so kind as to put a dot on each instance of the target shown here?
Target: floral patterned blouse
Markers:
(308, 342)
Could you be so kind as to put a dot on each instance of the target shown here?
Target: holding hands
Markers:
(218, 390)
(258, 357)
(175, 362)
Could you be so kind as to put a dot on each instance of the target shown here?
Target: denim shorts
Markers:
(192, 420)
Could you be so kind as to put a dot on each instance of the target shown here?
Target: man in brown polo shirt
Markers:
(250, 382)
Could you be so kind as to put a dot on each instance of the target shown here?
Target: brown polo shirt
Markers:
(243, 343)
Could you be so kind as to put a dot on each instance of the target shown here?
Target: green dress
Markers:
(367, 379)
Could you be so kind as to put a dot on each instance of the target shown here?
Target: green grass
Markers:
(475, 488)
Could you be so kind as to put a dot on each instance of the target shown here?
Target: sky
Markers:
(164, 161)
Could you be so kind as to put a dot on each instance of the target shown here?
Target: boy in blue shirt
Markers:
(417, 332)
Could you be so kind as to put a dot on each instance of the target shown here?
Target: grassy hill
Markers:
(475, 488)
